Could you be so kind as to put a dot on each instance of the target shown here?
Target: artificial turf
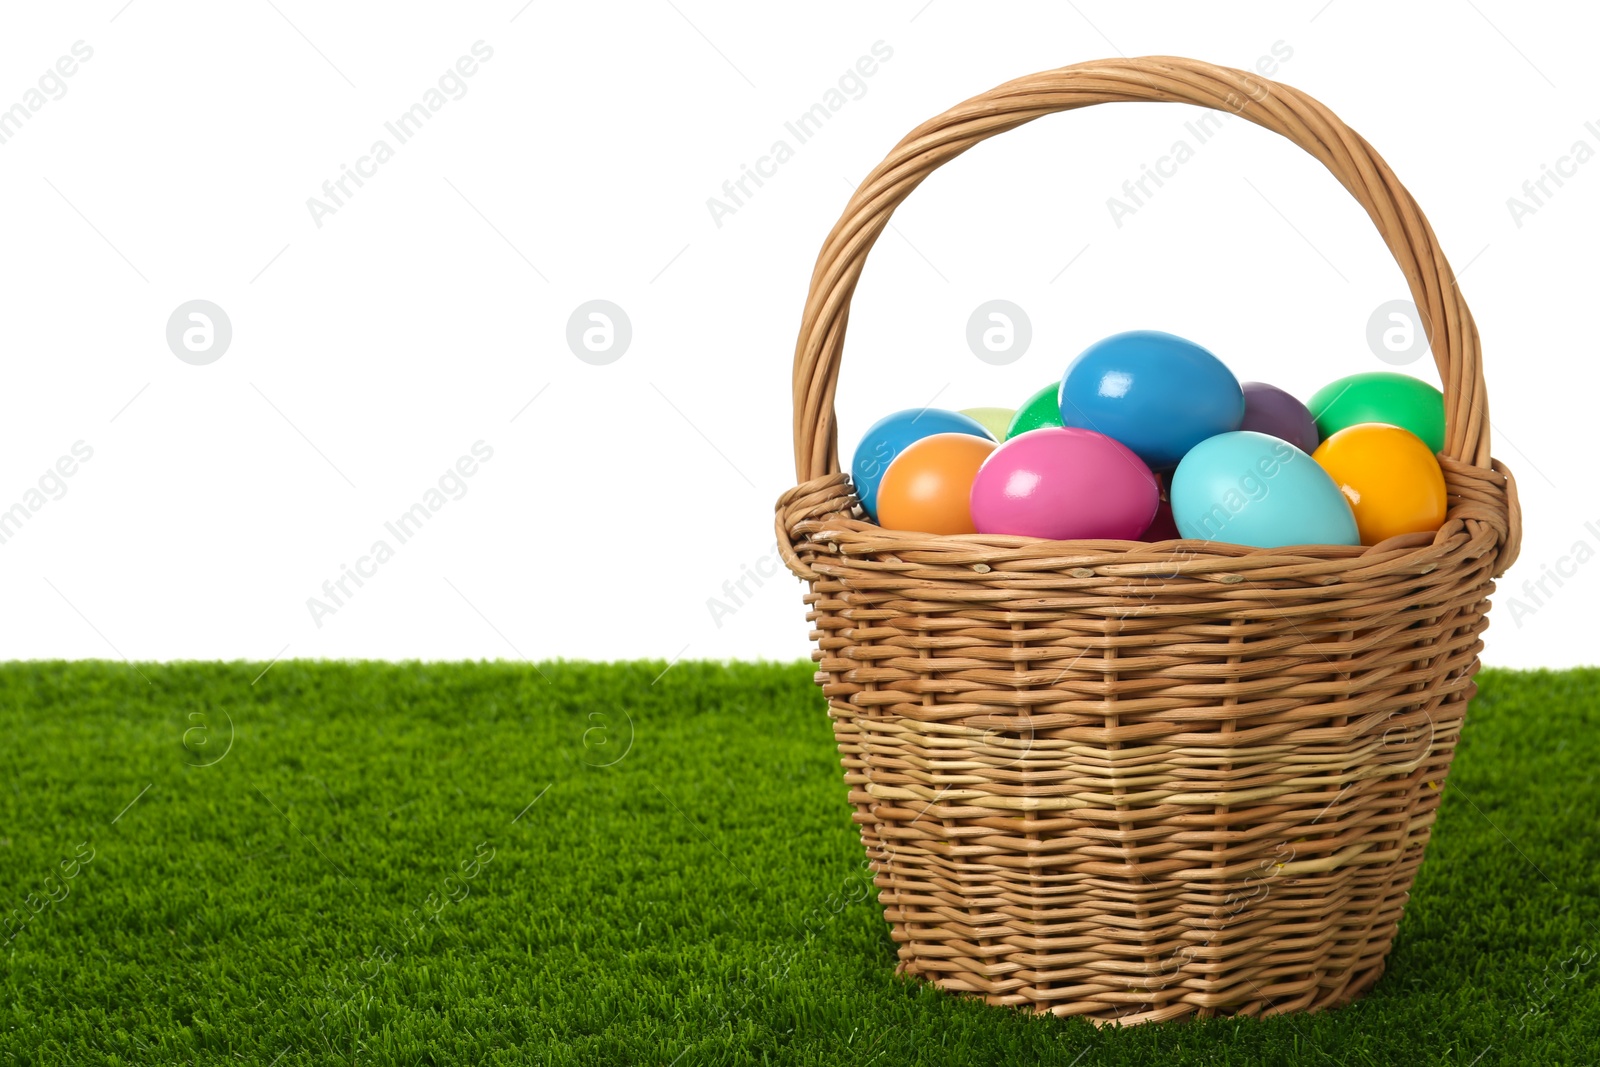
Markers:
(578, 863)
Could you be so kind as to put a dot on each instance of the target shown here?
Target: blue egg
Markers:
(890, 435)
(1248, 488)
(1156, 393)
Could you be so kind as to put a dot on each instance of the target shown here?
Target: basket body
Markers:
(1134, 781)
(1143, 784)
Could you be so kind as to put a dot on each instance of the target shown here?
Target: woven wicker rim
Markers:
(1483, 497)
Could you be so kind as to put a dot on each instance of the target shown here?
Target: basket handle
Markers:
(1277, 107)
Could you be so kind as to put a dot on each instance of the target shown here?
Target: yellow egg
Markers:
(995, 420)
(1391, 479)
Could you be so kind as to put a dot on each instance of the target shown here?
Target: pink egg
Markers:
(1064, 484)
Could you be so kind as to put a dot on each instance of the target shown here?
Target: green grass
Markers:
(400, 864)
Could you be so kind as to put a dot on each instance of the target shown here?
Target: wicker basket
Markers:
(1129, 781)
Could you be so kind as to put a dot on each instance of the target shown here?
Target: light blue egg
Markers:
(890, 435)
(1246, 488)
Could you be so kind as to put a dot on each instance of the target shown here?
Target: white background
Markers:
(421, 317)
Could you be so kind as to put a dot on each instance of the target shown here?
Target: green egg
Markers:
(1381, 396)
(1042, 409)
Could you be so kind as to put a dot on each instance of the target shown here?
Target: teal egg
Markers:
(1247, 488)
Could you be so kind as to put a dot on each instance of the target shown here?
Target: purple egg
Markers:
(1270, 410)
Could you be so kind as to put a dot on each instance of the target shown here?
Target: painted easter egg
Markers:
(1041, 409)
(1157, 393)
(996, 420)
(890, 435)
(928, 487)
(1064, 484)
(1249, 488)
(1381, 396)
(1390, 477)
(1270, 410)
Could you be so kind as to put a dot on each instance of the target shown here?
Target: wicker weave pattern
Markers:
(1131, 781)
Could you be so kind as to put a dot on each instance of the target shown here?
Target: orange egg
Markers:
(1392, 481)
(929, 485)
